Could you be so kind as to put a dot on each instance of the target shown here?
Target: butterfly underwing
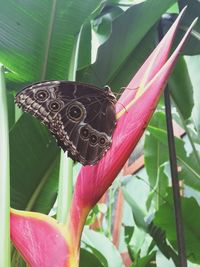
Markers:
(80, 116)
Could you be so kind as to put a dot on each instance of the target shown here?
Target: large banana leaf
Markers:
(37, 37)
(128, 30)
(37, 42)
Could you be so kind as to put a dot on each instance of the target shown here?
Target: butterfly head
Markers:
(110, 94)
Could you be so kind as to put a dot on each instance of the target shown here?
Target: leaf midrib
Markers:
(49, 37)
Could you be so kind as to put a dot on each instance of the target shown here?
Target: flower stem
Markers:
(4, 176)
(65, 187)
(110, 206)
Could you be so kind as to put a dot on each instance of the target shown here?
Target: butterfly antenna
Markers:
(123, 106)
(118, 94)
(129, 88)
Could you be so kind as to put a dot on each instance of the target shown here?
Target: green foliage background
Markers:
(37, 42)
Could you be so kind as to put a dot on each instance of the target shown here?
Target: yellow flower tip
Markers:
(140, 90)
(74, 260)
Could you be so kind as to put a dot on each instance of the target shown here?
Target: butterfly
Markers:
(80, 116)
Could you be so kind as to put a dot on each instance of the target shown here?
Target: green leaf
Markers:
(103, 248)
(173, 9)
(154, 151)
(181, 89)
(88, 259)
(193, 64)
(46, 198)
(4, 174)
(192, 46)
(84, 58)
(102, 25)
(133, 24)
(138, 213)
(159, 238)
(164, 218)
(37, 43)
(147, 261)
(159, 190)
(190, 170)
(11, 109)
(38, 38)
(128, 233)
(16, 260)
(151, 229)
(33, 155)
(162, 261)
(94, 214)
(193, 10)
(134, 60)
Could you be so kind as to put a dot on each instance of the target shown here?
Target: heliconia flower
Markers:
(40, 239)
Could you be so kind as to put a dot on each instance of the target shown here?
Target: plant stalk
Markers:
(109, 230)
(174, 173)
(4, 176)
(175, 183)
(65, 187)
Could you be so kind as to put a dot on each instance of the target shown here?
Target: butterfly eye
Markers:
(41, 95)
(75, 112)
(84, 133)
(93, 139)
(54, 106)
(102, 141)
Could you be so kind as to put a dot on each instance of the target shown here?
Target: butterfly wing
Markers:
(80, 116)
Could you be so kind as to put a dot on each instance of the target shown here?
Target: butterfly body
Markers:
(80, 116)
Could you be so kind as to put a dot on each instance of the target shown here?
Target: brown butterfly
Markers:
(80, 116)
